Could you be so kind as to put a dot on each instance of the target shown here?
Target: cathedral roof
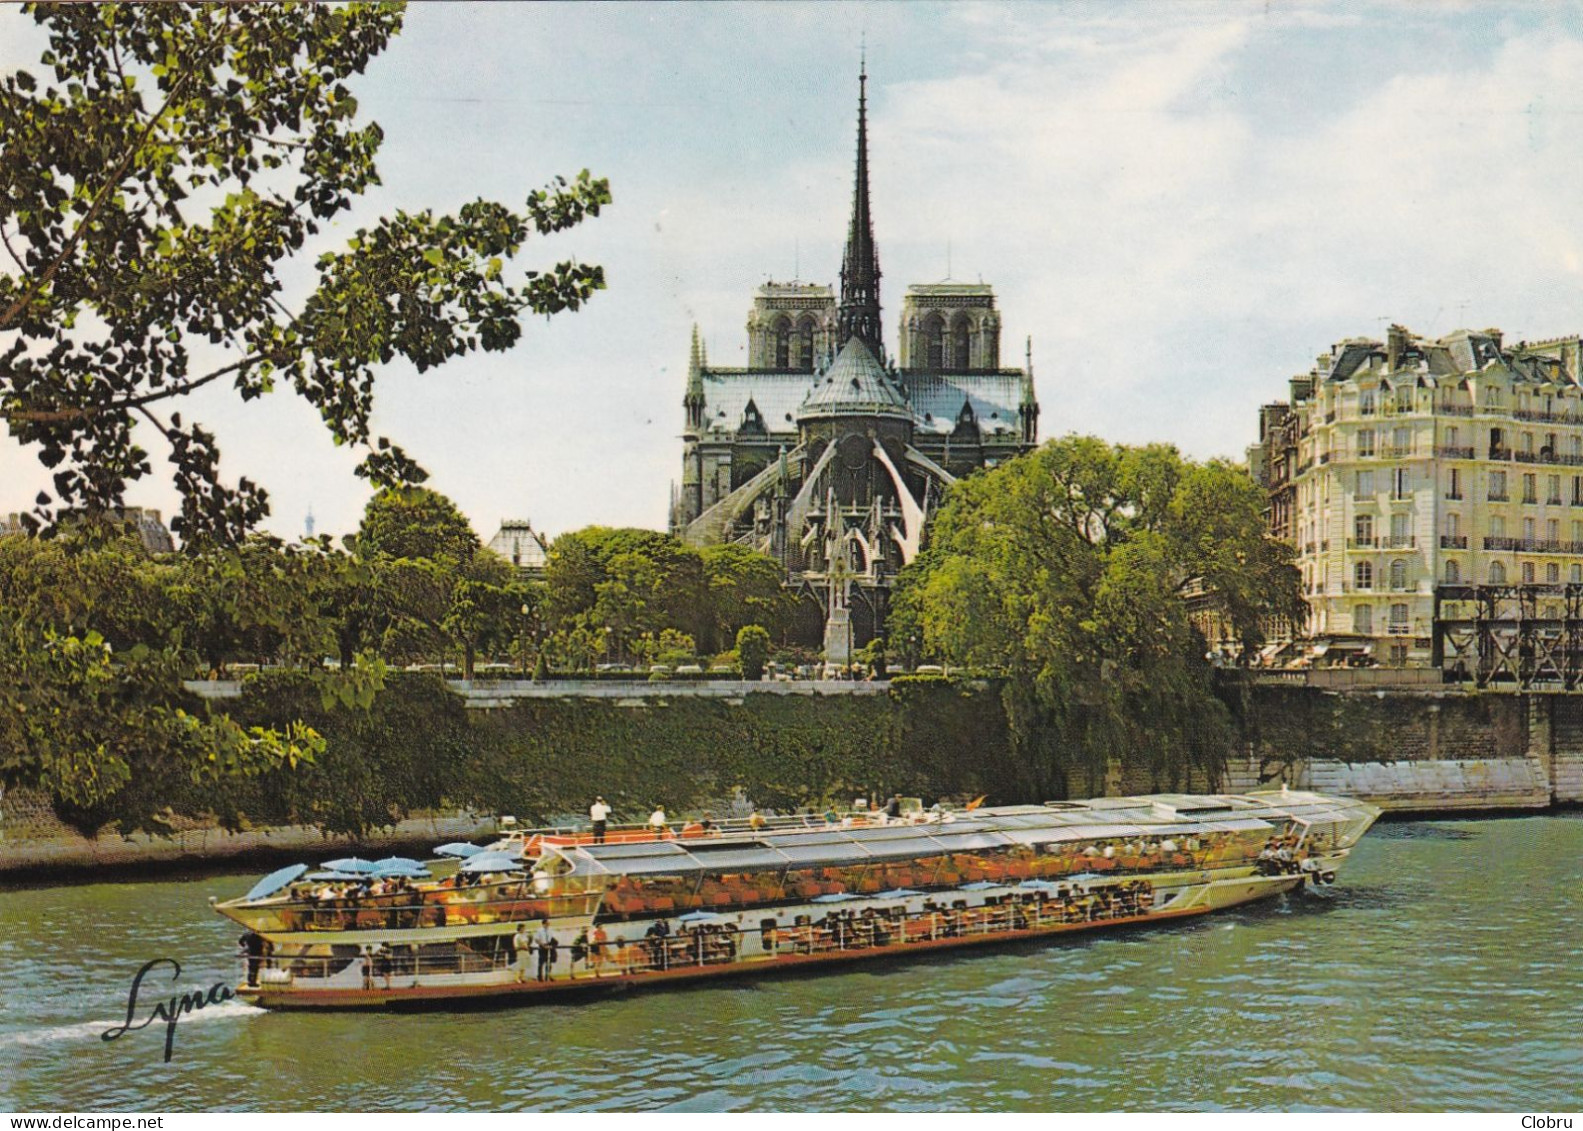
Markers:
(854, 385)
(937, 400)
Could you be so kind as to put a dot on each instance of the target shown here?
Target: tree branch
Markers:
(62, 415)
(110, 184)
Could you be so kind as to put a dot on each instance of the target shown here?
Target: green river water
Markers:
(1444, 970)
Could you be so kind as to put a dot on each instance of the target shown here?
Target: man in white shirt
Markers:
(657, 820)
(599, 813)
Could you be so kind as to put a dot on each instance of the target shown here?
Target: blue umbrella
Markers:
(276, 880)
(833, 897)
(351, 864)
(1038, 885)
(399, 864)
(332, 875)
(407, 871)
(494, 862)
(458, 848)
(698, 917)
(981, 885)
(897, 893)
(1088, 876)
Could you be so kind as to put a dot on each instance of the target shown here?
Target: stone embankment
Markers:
(1421, 749)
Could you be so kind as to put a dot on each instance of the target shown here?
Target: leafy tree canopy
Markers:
(164, 168)
(1066, 570)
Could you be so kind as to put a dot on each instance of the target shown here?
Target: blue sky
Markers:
(1181, 204)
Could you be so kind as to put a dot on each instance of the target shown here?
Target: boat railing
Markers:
(711, 945)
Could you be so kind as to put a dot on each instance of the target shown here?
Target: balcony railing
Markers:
(1453, 541)
(1448, 451)
(1533, 545)
(1398, 628)
(1544, 456)
(1445, 409)
(1399, 541)
(1551, 417)
(1500, 497)
(1363, 543)
(1393, 452)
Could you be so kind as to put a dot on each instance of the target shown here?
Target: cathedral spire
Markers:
(858, 315)
(693, 401)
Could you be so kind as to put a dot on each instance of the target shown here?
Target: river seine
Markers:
(1442, 971)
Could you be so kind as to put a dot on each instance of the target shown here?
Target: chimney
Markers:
(1395, 346)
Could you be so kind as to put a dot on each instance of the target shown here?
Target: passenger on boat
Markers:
(599, 814)
(893, 808)
(657, 823)
(521, 947)
(579, 951)
(544, 945)
(658, 932)
(597, 943)
(708, 826)
(756, 821)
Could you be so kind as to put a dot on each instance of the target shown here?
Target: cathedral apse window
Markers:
(805, 336)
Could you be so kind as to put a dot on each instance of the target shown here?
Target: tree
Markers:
(745, 587)
(753, 649)
(632, 581)
(156, 196)
(93, 651)
(1065, 571)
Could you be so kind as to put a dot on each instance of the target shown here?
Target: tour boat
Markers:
(542, 914)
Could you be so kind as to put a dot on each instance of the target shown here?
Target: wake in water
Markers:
(94, 1030)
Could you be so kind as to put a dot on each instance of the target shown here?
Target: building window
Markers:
(1552, 574)
(1363, 620)
(1528, 443)
(961, 337)
(1528, 530)
(1492, 396)
(1452, 436)
(1366, 484)
(1577, 445)
(1401, 535)
(1528, 573)
(1553, 489)
(1366, 403)
(1454, 484)
(1402, 441)
(1497, 526)
(805, 336)
(1363, 575)
(934, 337)
(1399, 617)
(1366, 442)
(1577, 490)
(1399, 483)
(1398, 575)
(1497, 444)
(1453, 572)
(1453, 524)
(1553, 531)
(1363, 528)
(1576, 574)
(1497, 573)
(783, 344)
(1497, 486)
(1530, 489)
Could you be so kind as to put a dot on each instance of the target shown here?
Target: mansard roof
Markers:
(854, 385)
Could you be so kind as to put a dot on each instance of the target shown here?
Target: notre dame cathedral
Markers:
(830, 455)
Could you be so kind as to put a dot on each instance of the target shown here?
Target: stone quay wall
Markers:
(1415, 749)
